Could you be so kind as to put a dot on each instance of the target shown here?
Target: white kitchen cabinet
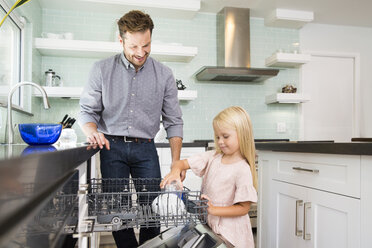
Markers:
(319, 194)
(286, 215)
(192, 181)
(306, 217)
(334, 220)
(366, 203)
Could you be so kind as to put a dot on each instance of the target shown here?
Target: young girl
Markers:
(229, 176)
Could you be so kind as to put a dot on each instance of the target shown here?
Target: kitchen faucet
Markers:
(10, 95)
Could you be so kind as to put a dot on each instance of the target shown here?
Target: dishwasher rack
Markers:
(121, 203)
(115, 204)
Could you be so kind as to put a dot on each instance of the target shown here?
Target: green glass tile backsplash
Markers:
(212, 97)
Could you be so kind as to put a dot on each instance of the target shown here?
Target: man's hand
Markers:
(95, 137)
(99, 139)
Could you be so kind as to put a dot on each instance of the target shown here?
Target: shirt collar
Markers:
(127, 64)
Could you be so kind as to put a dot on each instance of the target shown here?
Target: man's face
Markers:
(137, 47)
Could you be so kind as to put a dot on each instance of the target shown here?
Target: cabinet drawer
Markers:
(334, 173)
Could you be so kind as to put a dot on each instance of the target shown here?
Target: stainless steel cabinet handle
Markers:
(304, 169)
(307, 236)
(298, 232)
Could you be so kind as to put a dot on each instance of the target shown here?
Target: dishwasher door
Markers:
(188, 236)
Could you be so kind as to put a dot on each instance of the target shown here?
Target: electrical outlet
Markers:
(281, 127)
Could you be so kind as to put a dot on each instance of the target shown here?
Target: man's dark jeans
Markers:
(140, 160)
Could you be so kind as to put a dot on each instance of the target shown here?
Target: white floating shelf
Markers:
(287, 18)
(184, 9)
(102, 49)
(67, 92)
(75, 93)
(288, 60)
(187, 94)
(190, 5)
(286, 98)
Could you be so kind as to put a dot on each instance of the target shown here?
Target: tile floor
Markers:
(107, 241)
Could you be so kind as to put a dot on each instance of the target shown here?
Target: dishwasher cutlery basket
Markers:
(134, 202)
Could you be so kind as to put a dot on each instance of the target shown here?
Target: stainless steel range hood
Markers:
(233, 50)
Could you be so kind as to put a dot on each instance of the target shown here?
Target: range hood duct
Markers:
(233, 50)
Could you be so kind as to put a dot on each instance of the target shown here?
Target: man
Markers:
(121, 107)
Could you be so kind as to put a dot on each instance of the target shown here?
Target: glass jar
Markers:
(68, 137)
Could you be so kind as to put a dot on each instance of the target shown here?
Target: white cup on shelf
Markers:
(68, 36)
(51, 35)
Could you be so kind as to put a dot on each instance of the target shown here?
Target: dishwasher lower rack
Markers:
(116, 204)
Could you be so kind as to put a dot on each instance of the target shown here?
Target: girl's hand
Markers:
(178, 170)
(210, 206)
(174, 175)
(183, 175)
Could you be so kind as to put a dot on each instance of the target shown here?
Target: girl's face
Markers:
(227, 140)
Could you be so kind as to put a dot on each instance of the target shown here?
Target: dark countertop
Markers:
(349, 148)
(20, 150)
(29, 177)
(186, 144)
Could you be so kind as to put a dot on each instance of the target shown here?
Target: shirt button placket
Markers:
(131, 104)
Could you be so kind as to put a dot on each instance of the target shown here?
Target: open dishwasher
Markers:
(115, 204)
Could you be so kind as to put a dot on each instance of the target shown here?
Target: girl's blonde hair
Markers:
(238, 119)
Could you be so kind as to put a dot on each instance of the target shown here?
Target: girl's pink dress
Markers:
(225, 185)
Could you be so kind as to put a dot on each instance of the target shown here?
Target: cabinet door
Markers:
(366, 202)
(334, 220)
(330, 80)
(286, 231)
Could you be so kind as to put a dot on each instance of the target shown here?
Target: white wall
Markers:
(347, 39)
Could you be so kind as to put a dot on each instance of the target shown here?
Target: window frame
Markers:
(19, 22)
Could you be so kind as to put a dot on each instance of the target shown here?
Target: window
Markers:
(11, 45)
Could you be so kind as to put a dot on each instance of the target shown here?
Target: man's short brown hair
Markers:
(135, 21)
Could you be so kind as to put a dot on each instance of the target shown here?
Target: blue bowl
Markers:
(37, 149)
(40, 133)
